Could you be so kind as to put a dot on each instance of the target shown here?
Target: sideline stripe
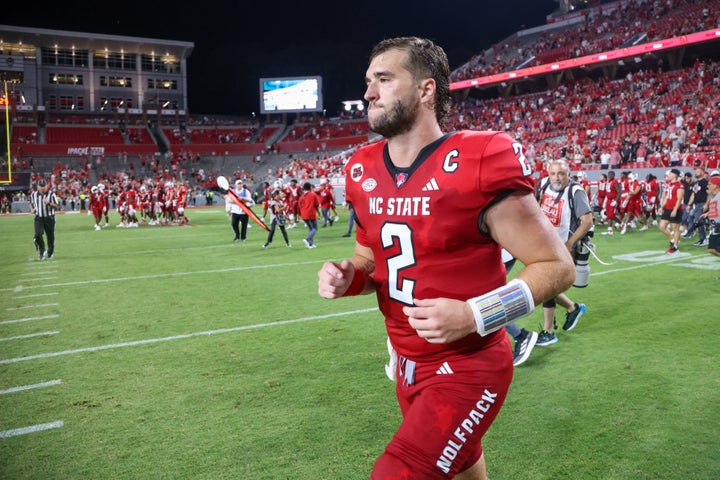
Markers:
(35, 279)
(22, 337)
(36, 295)
(28, 319)
(645, 265)
(30, 387)
(40, 305)
(183, 336)
(161, 275)
(31, 429)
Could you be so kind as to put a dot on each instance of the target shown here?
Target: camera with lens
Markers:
(582, 260)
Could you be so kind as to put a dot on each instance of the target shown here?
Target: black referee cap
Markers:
(42, 182)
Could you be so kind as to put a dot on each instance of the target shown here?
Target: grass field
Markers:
(172, 353)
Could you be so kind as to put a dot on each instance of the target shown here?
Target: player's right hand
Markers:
(334, 279)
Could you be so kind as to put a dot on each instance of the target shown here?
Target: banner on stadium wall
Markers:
(20, 182)
(81, 151)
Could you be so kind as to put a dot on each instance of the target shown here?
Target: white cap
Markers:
(238, 182)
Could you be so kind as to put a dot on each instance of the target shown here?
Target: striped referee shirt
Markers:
(39, 206)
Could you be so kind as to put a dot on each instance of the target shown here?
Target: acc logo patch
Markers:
(369, 185)
(356, 172)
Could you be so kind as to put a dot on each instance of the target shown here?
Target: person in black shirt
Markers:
(43, 204)
(698, 202)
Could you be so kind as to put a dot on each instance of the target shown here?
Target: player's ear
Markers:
(427, 88)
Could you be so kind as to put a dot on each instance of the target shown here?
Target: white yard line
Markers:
(28, 319)
(180, 337)
(40, 305)
(31, 429)
(36, 295)
(31, 335)
(51, 383)
(20, 288)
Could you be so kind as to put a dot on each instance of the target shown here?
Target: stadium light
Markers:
(349, 105)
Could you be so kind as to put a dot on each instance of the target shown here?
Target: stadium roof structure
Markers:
(41, 37)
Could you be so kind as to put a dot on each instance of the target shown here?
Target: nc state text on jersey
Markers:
(400, 206)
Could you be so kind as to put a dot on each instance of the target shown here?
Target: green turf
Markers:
(178, 354)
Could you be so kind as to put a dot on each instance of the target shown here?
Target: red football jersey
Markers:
(422, 225)
(673, 197)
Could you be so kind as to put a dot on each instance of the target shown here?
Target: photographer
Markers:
(566, 205)
(698, 200)
(712, 216)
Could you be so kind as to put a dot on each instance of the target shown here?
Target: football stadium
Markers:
(163, 339)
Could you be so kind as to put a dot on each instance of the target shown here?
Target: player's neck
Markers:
(405, 148)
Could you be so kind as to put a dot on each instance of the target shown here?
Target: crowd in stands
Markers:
(643, 20)
(662, 118)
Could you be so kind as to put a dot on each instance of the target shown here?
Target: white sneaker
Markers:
(305, 242)
(654, 222)
(623, 229)
(97, 227)
(644, 228)
(609, 232)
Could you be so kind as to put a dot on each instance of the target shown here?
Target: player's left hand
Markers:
(441, 320)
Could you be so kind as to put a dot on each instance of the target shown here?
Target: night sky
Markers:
(236, 45)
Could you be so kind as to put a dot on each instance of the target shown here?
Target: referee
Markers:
(43, 204)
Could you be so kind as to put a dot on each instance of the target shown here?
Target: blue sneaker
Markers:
(571, 319)
(546, 338)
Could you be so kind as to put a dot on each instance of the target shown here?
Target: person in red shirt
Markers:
(181, 204)
(170, 202)
(633, 207)
(292, 195)
(327, 202)
(106, 199)
(432, 211)
(601, 195)
(266, 193)
(613, 193)
(652, 198)
(97, 205)
(308, 205)
(672, 209)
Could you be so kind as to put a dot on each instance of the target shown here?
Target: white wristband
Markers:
(503, 305)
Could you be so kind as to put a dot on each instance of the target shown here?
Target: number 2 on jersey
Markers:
(399, 291)
(524, 162)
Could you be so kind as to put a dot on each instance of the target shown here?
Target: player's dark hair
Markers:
(425, 60)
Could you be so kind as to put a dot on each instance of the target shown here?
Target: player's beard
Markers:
(399, 119)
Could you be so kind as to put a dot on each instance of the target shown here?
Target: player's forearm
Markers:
(548, 279)
(366, 267)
